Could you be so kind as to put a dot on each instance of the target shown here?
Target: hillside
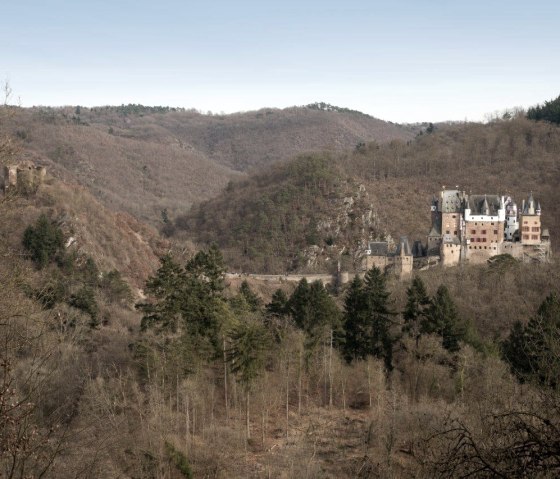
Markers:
(269, 221)
(205, 379)
(114, 241)
(146, 160)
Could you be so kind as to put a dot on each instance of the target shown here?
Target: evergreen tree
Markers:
(314, 311)
(550, 111)
(355, 345)
(443, 319)
(44, 241)
(368, 319)
(254, 302)
(299, 304)
(417, 305)
(249, 343)
(534, 351)
(278, 304)
(166, 289)
(377, 297)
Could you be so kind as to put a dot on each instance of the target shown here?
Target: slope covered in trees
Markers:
(549, 111)
(280, 213)
(204, 378)
(145, 160)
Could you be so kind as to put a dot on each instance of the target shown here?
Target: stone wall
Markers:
(23, 177)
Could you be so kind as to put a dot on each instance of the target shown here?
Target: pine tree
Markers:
(367, 319)
(417, 305)
(299, 305)
(249, 343)
(253, 301)
(44, 241)
(278, 304)
(377, 297)
(355, 345)
(443, 319)
(166, 288)
(534, 351)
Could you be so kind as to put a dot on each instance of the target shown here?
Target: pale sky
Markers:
(403, 61)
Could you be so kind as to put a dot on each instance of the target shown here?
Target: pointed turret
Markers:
(485, 208)
(538, 208)
(530, 206)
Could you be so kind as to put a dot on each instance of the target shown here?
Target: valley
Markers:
(167, 309)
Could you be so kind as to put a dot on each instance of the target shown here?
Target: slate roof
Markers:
(378, 248)
(451, 201)
(403, 247)
(484, 204)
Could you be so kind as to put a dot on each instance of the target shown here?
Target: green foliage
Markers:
(367, 319)
(165, 289)
(116, 289)
(550, 111)
(179, 460)
(253, 301)
(314, 311)
(275, 218)
(533, 352)
(249, 343)
(278, 305)
(44, 241)
(84, 300)
(416, 309)
(322, 106)
(442, 319)
(188, 301)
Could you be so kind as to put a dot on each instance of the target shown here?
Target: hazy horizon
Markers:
(405, 62)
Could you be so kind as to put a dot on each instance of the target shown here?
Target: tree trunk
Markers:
(247, 422)
(330, 372)
(225, 380)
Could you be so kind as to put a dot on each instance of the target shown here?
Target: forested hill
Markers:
(145, 160)
(312, 210)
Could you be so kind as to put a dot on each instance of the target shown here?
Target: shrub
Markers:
(44, 241)
(84, 300)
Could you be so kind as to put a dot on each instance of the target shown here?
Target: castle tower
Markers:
(530, 222)
(512, 223)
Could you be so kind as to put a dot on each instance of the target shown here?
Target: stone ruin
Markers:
(24, 177)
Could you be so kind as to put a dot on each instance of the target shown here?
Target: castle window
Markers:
(525, 222)
(535, 237)
(473, 232)
(484, 241)
(535, 222)
(492, 223)
(454, 216)
(535, 228)
(525, 228)
(455, 233)
(483, 232)
(447, 232)
(495, 232)
(525, 237)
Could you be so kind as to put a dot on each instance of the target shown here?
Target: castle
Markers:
(471, 229)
